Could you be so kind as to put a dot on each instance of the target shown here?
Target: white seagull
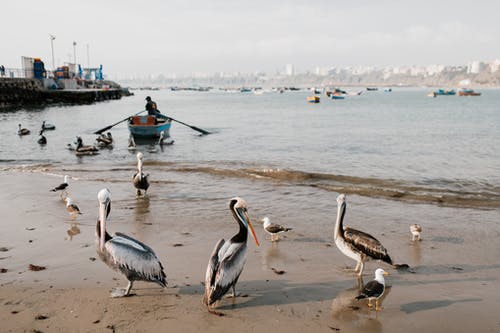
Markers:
(62, 187)
(415, 230)
(374, 289)
(273, 229)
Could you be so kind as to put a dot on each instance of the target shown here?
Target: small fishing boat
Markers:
(149, 127)
(468, 92)
(313, 99)
(337, 95)
(371, 89)
(443, 92)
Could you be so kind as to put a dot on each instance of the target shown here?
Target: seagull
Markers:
(62, 187)
(140, 179)
(358, 245)
(273, 229)
(134, 259)
(374, 289)
(415, 230)
(228, 258)
(72, 208)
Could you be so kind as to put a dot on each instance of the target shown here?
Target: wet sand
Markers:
(453, 285)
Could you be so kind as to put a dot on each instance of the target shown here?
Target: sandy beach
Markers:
(452, 286)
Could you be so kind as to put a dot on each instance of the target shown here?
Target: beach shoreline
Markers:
(453, 285)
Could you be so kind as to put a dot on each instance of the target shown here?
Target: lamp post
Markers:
(74, 53)
(52, 37)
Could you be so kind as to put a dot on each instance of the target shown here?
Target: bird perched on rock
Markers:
(415, 230)
(374, 289)
(273, 229)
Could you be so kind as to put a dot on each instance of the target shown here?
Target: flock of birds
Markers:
(138, 262)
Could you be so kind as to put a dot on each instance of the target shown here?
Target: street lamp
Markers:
(52, 37)
(74, 53)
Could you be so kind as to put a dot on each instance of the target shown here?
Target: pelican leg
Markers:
(356, 269)
(138, 193)
(120, 292)
(362, 264)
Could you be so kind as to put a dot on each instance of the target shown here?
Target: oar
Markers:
(121, 121)
(202, 131)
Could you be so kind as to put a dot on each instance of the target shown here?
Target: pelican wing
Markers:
(141, 181)
(135, 259)
(367, 244)
(232, 257)
(213, 265)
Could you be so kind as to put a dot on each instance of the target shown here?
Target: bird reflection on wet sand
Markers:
(72, 231)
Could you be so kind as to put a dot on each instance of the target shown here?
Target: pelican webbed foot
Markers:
(122, 292)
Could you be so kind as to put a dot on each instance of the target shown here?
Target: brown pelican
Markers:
(105, 140)
(140, 179)
(23, 131)
(47, 127)
(62, 187)
(273, 229)
(228, 258)
(42, 139)
(374, 289)
(134, 259)
(84, 150)
(72, 208)
(415, 230)
(356, 244)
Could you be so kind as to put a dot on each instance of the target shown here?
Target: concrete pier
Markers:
(20, 92)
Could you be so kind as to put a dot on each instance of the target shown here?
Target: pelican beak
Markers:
(250, 226)
(386, 273)
(102, 219)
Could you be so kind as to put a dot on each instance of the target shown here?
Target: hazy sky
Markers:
(154, 36)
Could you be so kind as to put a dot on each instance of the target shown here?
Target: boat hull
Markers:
(147, 128)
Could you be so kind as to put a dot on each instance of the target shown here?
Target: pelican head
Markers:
(341, 199)
(140, 156)
(104, 198)
(379, 274)
(239, 208)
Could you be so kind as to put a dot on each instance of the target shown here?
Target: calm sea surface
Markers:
(400, 146)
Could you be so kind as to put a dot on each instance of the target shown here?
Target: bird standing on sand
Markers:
(62, 187)
(23, 131)
(356, 244)
(374, 289)
(72, 208)
(273, 229)
(134, 259)
(228, 258)
(140, 179)
(415, 230)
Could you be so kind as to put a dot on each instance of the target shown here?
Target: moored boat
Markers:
(443, 92)
(337, 95)
(468, 92)
(149, 127)
(313, 99)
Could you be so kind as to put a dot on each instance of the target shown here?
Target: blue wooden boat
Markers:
(442, 92)
(149, 127)
(337, 95)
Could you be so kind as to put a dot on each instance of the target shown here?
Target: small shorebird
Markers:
(415, 230)
(358, 245)
(23, 131)
(374, 289)
(273, 229)
(72, 208)
(140, 179)
(62, 187)
(134, 259)
(228, 258)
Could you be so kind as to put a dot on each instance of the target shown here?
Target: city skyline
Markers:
(130, 38)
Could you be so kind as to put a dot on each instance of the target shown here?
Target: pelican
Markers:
(62, 187)
(356, 244)
(23, 131)
(42, 139)
(228, 258)
(72, 208)
(140, 179)
(273, 229)
(48, 127)
(415, 230)
(105, 140)
(84, 150)
(374, 289)
(134, 259)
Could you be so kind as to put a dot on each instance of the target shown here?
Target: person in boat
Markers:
(152, 109)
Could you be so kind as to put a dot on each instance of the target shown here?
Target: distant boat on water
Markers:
(313, 99)
(388, 90)
(371, 89)
(443, 92)
(468, 92)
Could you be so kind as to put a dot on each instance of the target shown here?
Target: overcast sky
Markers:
(154, 36)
